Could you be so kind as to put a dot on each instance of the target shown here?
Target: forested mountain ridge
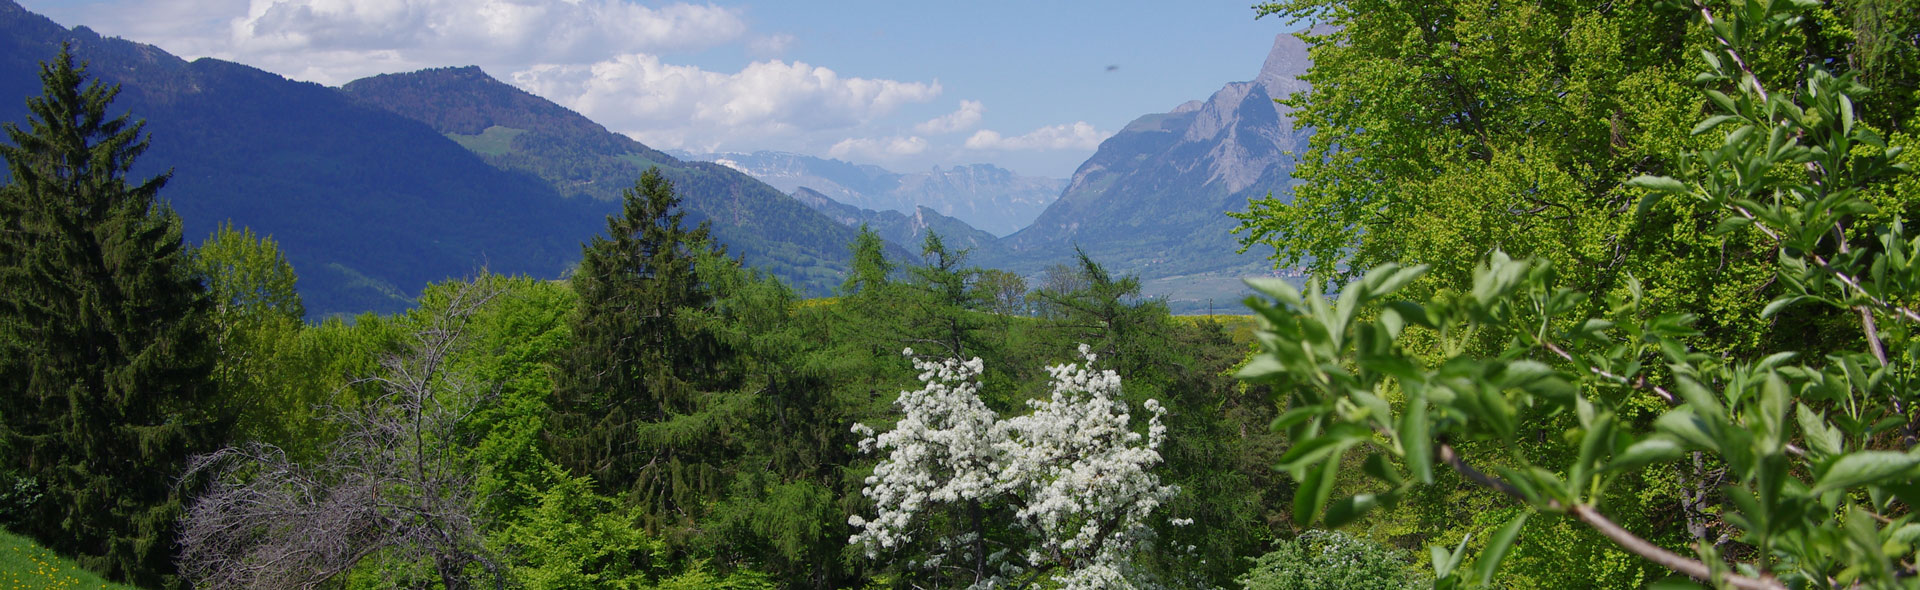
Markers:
(514, 130)
(985, 196)
(378, 188)
(368, 205)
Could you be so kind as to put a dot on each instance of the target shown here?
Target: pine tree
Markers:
(104, 338)
(639, 359)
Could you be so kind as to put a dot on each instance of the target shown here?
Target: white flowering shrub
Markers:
(1063, 493)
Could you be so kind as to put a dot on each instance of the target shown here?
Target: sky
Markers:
(1029, 86)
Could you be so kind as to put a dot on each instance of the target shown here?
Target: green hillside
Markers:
(25, 565)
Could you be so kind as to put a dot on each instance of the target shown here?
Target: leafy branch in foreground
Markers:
(1817, 452)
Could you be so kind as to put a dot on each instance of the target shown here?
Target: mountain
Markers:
(907, 230)
(369, 206)
(985, 196)
(517, 131)
(377, 188)
(1152, 199)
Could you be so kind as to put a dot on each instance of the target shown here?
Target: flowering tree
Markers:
(1063, 493)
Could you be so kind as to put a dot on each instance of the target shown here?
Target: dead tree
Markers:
(399, 481)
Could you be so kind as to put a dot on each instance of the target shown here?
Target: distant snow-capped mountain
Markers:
(987, 197)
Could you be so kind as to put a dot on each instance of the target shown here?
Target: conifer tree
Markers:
(940, 317)
(638, 358)
(104, 344)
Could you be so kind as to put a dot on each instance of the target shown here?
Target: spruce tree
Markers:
(640, 359)
(104, 344)
(941, 320)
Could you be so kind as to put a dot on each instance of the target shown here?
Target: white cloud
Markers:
(961, 119)
(676, 106)
(1078, 136)
(529, 31)
(767, 46)
(878, 147)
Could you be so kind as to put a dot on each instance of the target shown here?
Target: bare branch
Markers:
(397, 481)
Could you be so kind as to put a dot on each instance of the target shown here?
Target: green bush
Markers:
(1330, 560)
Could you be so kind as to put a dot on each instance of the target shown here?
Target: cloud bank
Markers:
(683, 106)
(1077, 136)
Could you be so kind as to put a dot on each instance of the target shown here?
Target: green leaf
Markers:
(1414, 438)
(1496, 550)
(1658, 184)
(1597, 437)
(1378, 467)
(1412, 312)
(1863, 467)
(1444, 562)
(1646, 204)
(1296, 416)
(1729, 225)
(1399, 279)
(1647, 451)
(1825, 440)
(1780, 304)
(1279, 289)
(1721, 98)
(1314, 491)
(1711, 123)
(1681, 423)
(1260, 367)
(1390, 320)
(1348, 509)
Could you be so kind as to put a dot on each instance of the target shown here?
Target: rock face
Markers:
(985, 196)
(1153, 199)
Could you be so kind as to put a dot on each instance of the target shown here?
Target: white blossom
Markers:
(1076, 474)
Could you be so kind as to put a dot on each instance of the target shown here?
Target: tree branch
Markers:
(1625, 539)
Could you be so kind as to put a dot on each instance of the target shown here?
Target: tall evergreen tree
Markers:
(940, 316)
(639, 361)
(104, 338)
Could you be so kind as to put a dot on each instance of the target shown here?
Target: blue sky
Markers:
(1031, 86)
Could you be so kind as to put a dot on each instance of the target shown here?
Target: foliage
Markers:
(17, 497)
(398, 484)
(1330, 560)
(1814, 481)
(1067, 487)
(637, 360)
(104, 347)
(939, 312)
(256, 308)
(247, 275)
(572, 538)
(25, 565)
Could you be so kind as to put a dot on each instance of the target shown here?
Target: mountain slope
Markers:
(907, 230)
(369, 206)
(985, 196)
(1152, 199)
(514, 130)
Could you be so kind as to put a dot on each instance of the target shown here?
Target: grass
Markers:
(25, 565)
(493, 141)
